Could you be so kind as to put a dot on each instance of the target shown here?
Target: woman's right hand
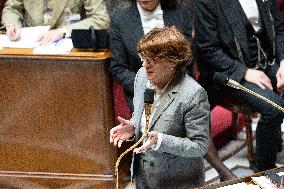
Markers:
(13, 32)
(123, 131)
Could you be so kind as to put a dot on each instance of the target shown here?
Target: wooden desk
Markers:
(55, 117)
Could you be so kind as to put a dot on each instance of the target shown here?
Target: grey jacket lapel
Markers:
(168, 97)
(166, 100)
(236, 19)
(139, 101)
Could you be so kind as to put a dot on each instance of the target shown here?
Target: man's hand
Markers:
(152, 140)
(259, 78)
(280, 77)
(13, 32)
(122, 132)
(50, 37)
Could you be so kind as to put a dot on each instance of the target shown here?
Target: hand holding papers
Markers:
(13, 32)
(63, 46)
(29, 39)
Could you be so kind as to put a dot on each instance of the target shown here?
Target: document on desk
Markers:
(28, 38)
(264, 182)
(63, 46)
(241, 185)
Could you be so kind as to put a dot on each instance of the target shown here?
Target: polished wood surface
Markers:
(55, 115)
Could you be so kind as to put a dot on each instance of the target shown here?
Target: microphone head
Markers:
(149, 96)
(220, 78)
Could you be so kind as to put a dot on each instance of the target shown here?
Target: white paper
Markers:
(241, 185)
(28, 37)
(63, 46)
(264, 182)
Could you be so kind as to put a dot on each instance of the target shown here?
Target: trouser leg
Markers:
(270, 122)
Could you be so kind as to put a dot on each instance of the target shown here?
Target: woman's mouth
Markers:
(149, 72)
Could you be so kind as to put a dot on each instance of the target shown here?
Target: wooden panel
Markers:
(55, 117)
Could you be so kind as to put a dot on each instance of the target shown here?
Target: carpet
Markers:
(234, 157)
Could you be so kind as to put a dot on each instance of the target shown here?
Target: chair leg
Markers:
(235, 123)
(279, 140)
(249, 140)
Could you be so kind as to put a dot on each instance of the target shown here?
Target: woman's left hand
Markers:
(152, 140)
(50, 37)
(280, 77)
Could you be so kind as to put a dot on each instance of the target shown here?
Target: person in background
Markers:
(129, 25)
(62, 16)
(172, 157)
(244, 41)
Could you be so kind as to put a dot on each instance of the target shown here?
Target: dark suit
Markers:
(222, 37)
(125, 32)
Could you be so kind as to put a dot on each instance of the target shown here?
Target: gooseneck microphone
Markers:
(223, 80)
(148, 101)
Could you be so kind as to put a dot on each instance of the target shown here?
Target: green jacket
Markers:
(28, 13)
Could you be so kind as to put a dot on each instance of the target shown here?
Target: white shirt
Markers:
(251, 10)
(151, 19)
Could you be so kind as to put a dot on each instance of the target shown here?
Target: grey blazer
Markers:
(183, 118)
(125, 32)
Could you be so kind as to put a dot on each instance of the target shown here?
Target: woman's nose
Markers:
(145, 63)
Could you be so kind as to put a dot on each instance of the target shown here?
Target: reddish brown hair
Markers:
(168, 43)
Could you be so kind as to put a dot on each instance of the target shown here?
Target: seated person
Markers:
(129, 25)
(61, 16)
(244, 41)
(179, 121)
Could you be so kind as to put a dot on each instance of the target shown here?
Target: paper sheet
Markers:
(264, 182)
(241, 185)
(28, 38)
(63, 46)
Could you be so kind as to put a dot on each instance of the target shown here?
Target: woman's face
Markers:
(159, 71)
(148, 5)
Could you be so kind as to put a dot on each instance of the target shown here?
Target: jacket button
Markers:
(151, 163)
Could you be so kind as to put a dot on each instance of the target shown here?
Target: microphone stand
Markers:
(149, 93)
(222, 79)
(236, 85)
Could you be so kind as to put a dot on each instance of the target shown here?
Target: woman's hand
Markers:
(122, 132)
(13, 32)
(280, 77)
(258, 78)
(50, 37)
(152, 140)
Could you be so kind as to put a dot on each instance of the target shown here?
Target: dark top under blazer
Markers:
(220, 23)
(125, 32)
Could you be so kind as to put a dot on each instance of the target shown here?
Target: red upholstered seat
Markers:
(120, 105)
